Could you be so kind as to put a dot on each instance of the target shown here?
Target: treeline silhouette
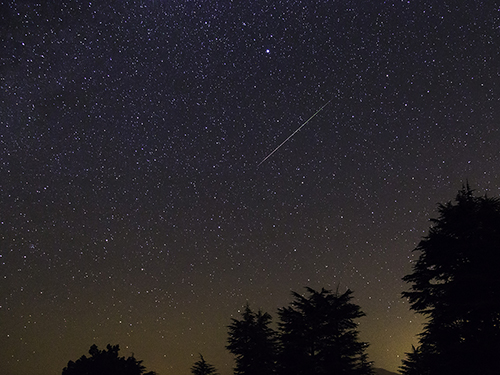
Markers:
(316, 334)
(455, 284)
(105, 362)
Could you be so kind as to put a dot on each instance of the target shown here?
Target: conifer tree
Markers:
(319, 335)
(253, 343)
(202, 367)
(455, 284)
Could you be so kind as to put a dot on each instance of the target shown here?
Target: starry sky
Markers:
(134, 211)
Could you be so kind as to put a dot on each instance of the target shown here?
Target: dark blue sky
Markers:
(132, 207)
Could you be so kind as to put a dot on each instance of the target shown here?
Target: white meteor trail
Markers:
(296, 131)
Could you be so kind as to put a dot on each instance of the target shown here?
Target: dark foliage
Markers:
(415, 363)
(202, 367)
(456, 284)
(319, 336)
(105, 362)
(253, 343)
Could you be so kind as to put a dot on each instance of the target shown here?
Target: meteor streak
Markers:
(296, 131)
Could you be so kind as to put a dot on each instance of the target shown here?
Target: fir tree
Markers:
(253, 343)
(319, 335)
(455, 284)
(202, 367)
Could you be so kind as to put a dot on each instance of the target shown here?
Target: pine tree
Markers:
(455, 284)
(253, 343)
(202, 367)
(319, 335)
(414, 363)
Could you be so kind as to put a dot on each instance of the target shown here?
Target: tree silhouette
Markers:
(253, 343)
(202, 367)
(415, 363)
(318, 335)
(456, 284)
(105, 362)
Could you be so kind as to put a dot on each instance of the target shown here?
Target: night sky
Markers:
(134, 211)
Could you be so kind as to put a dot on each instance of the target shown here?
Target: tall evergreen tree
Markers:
(253, 342)
(202, 367)
(414, 363)
(455, 284)
(319, 336)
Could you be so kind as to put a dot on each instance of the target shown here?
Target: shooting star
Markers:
(295, 132)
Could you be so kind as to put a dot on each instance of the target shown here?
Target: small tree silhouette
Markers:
(202, 367)
(105, 362)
